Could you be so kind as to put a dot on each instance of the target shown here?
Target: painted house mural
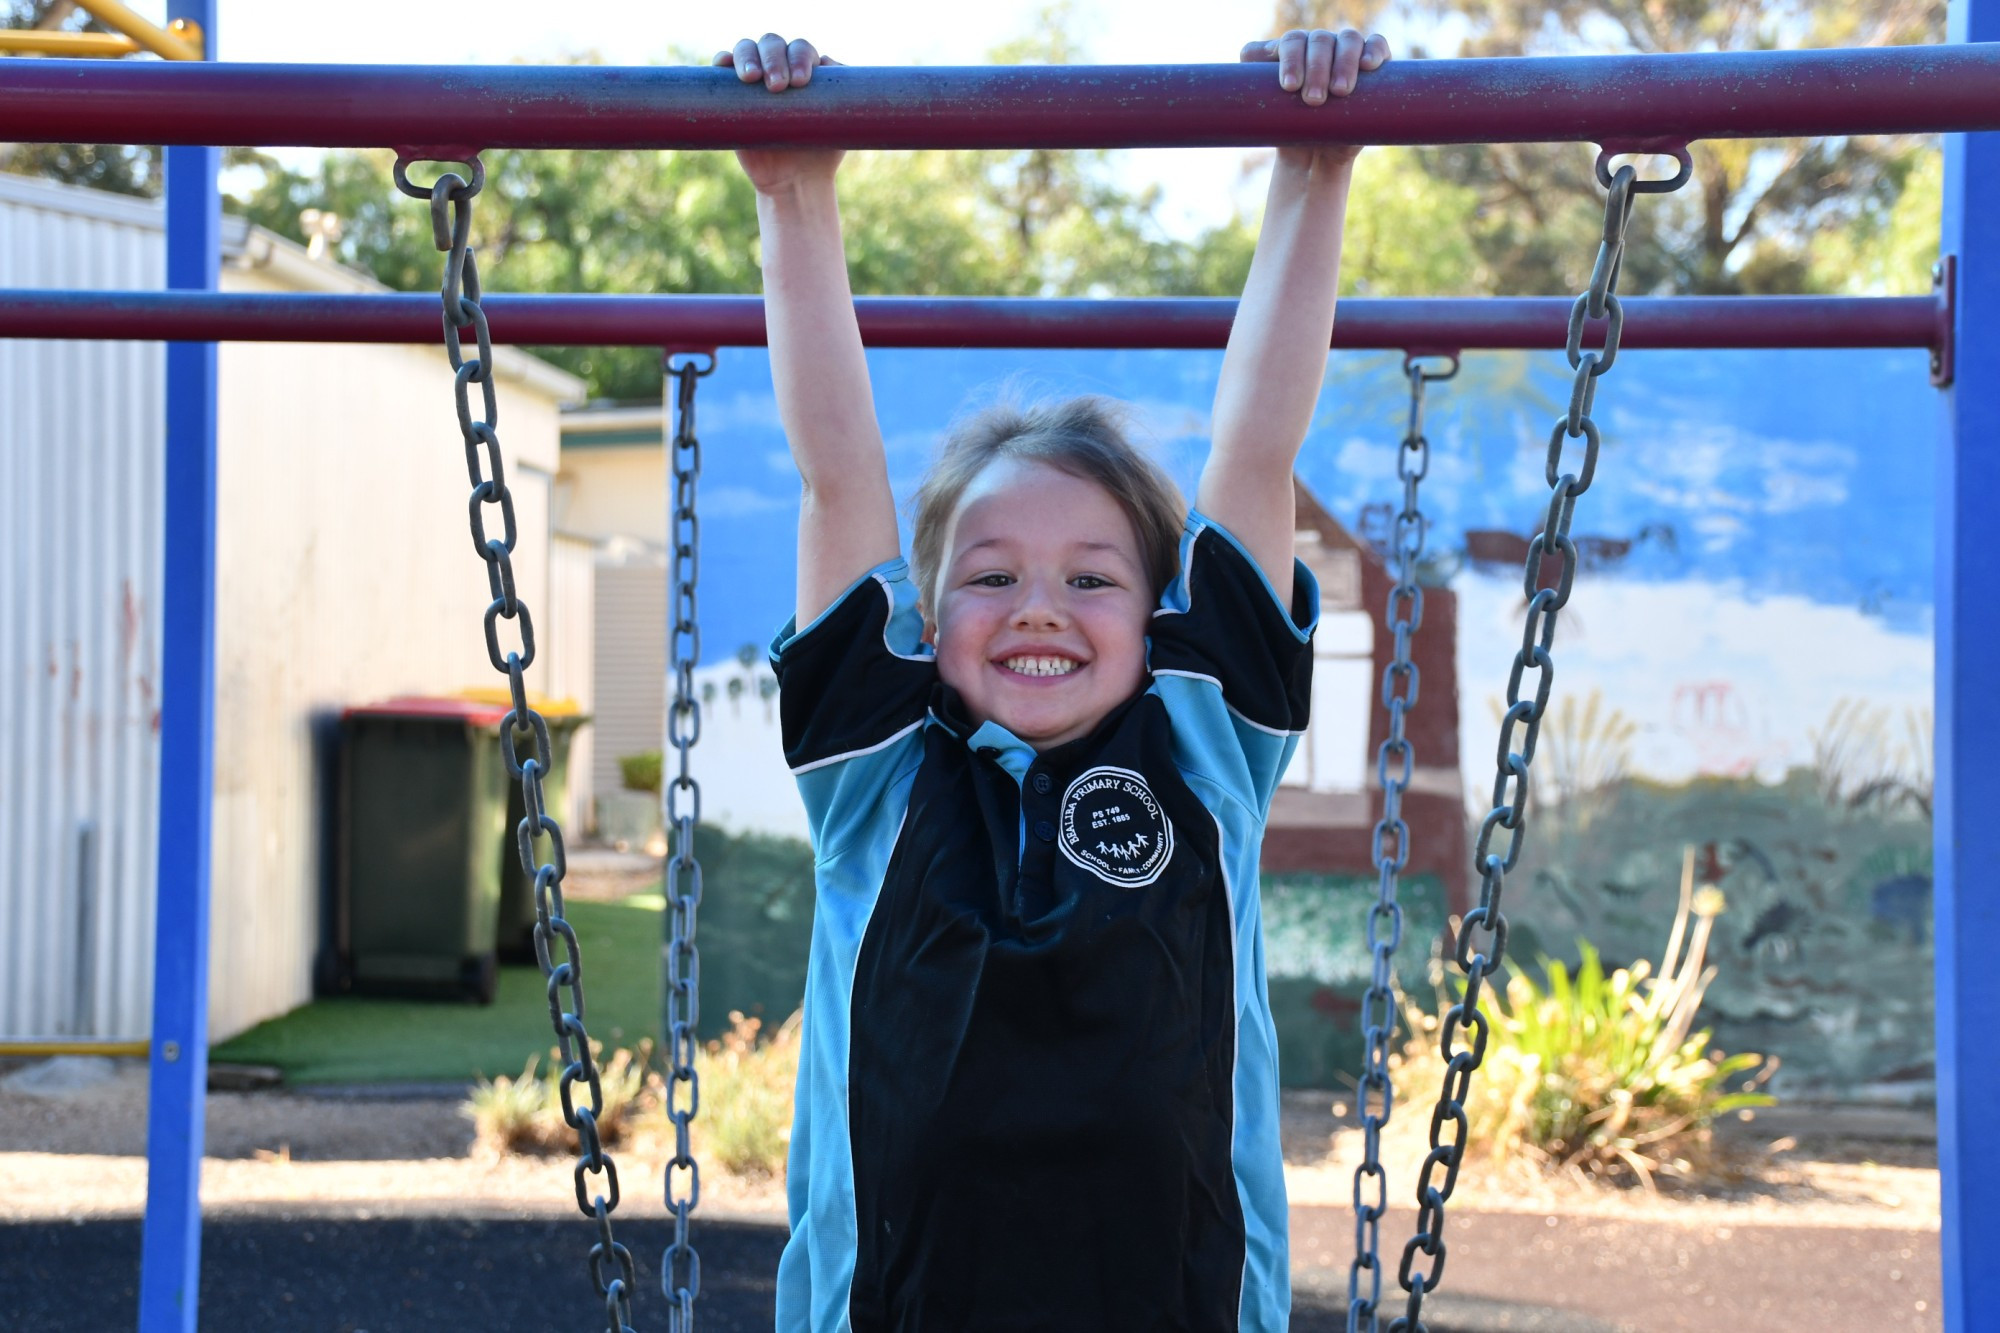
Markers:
(1745, 668)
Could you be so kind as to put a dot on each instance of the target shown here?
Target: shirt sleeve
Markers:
(1232, 663)
(854, 688)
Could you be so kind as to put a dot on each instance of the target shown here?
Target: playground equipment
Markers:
(1641, 105)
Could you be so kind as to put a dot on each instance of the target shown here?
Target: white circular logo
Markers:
(1112, 827)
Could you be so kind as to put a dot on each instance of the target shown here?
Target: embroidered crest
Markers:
(1114, 828)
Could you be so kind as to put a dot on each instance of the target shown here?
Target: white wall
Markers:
(345, 574)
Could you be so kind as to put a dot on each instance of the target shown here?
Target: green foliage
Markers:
(1602, 1073)
(641, 772)
(524, 1115)
(1759, 213)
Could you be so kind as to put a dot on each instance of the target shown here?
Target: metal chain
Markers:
(1376, 1095)
(451, 199)
(680, 1274)
(1482, 935)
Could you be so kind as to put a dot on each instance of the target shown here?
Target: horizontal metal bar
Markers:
(1464, 323)
(1626, 101)
(37, 1047)
(36, 41)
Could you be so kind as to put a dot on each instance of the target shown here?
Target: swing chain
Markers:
(680, 1275)
(451, 201)
(1395, 763)
(1482, 934)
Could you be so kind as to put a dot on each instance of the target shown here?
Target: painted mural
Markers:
(1745, 667)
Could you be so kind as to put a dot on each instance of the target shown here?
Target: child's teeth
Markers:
(1041, 666)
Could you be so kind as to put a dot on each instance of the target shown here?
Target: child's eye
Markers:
(1091, 581)
(993, 581)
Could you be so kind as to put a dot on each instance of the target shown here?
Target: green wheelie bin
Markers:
(422, 821)
(516, 935)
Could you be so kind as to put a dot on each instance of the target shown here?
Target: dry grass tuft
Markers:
(524, 1115)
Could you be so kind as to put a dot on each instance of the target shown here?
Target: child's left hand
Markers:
(1320, 64)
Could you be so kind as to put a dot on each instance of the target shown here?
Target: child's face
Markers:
(1042, 606)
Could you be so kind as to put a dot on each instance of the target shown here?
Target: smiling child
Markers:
(1038, 1086)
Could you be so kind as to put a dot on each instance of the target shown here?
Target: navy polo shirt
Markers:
(1038, 1084)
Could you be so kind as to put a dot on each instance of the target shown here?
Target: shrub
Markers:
(1603, 1074)
(745, 1123)
(524, 1114)
(641, 772)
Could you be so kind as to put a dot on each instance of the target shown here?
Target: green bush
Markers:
(1603, 1074)
(641, 772)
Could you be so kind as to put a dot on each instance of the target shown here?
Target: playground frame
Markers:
(1625, 104)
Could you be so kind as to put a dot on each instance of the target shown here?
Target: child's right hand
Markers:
(779, 65)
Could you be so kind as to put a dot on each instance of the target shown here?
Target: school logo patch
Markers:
(1114, 828)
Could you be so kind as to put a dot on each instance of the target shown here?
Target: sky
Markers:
(1200, 187)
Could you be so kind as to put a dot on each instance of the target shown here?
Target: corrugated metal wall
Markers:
(344, 576)
(80, 439)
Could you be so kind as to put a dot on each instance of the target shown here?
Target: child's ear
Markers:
(930, 632)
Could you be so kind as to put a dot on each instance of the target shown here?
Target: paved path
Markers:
(285, 1270)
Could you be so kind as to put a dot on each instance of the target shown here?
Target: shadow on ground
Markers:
(316, 1274)
(283, 1269)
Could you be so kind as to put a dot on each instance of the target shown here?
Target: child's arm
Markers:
(1277, 353)
(847, 515)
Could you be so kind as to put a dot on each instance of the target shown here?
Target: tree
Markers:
(936, 223)
(1756, 211)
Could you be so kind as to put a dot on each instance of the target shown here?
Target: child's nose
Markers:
(1041, 606)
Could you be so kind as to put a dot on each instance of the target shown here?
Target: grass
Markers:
(366, 1040)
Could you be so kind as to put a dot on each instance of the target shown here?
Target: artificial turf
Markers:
(351, 1039)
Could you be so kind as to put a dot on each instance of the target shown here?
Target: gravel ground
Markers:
(314, 1198)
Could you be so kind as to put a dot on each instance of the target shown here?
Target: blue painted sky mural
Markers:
(1764, 518)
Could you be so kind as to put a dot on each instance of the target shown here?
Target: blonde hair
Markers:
(1084, 437)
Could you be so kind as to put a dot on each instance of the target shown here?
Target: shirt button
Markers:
(1042, 783)
(1045, 831)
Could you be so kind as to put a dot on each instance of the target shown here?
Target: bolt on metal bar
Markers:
(1473, 323)
(1631, 101)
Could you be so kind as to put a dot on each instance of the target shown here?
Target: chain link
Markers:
(1395, 762)
(680, 1275)
(1482, 935)
(451, 200)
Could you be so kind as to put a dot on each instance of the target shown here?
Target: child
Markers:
(1038, 1087)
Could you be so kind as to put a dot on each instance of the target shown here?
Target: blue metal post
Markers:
(170, 1262)
(1967, 837)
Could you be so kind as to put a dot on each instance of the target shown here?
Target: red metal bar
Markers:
(738, 321)
(1626, 100)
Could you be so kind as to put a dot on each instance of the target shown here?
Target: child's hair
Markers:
(1084, 437)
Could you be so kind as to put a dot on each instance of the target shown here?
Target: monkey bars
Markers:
(1624, 102)
(1407, 323)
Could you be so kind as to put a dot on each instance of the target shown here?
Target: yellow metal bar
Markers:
(182, 42)
(30, 41)
(72, 1046)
